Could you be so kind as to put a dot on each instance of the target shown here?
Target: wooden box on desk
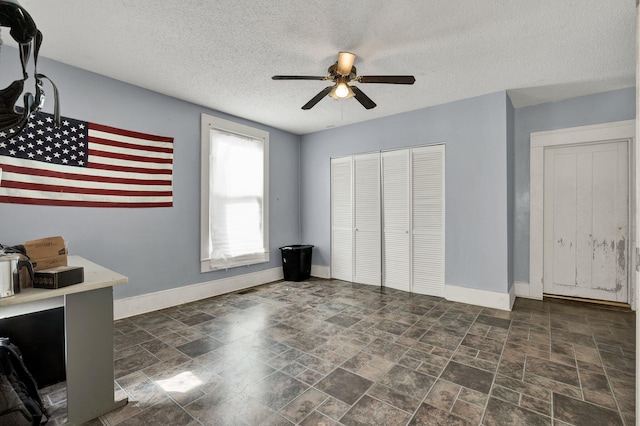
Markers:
(45, 248)
(49, 262)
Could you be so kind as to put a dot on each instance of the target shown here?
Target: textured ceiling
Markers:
(221, 54)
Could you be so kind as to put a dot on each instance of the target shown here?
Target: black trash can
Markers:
(296, 262)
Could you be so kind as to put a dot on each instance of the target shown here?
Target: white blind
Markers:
(236, 200)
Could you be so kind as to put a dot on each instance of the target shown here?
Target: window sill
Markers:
(207, 265)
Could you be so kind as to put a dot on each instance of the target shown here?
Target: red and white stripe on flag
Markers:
(85, 164)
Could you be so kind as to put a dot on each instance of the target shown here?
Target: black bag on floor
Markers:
(20, 402)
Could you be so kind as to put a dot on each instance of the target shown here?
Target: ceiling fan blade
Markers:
(317, 98)
(390, 79)
(345, 62)
(298, 77)
(362, 98)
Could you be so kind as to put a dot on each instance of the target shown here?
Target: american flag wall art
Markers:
(84, 164)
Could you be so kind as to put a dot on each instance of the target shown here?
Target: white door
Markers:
(413, 218)
(428, 219)
(396, 192)
(342, 218)
(586, 221)
(367, 265)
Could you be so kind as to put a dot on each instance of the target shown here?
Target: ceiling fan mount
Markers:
(342, 73)
(333, 72)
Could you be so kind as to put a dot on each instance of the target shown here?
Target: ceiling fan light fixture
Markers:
(345, 63)
(341, 90)
(333, 94)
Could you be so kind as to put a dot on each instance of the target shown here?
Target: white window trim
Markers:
(207, 123)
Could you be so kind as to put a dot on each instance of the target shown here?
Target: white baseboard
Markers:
(523, 289)
(512, 296)
(136, 305)
(320, 271)
(488, 299)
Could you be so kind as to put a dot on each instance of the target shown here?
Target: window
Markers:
(234, 227)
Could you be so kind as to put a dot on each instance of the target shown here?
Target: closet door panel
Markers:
(342, 218)
(427, 165)
(342, 254)
(367, 258)
(428, 270)
(366, 177)
(396, 215)
(397, 261)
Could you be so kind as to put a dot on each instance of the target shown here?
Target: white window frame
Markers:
(209, 123)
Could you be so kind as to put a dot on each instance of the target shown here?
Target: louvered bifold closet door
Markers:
(396, 190)
(367, 264)
(427, 165)
(342, 218)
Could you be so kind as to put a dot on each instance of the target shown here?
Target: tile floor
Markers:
(327, 352)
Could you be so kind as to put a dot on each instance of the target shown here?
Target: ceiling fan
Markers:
(342, 73)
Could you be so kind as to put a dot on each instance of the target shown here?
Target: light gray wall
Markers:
(157, 249)
(475, 133)
(605, 107)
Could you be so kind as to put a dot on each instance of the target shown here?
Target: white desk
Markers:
(88, 325)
